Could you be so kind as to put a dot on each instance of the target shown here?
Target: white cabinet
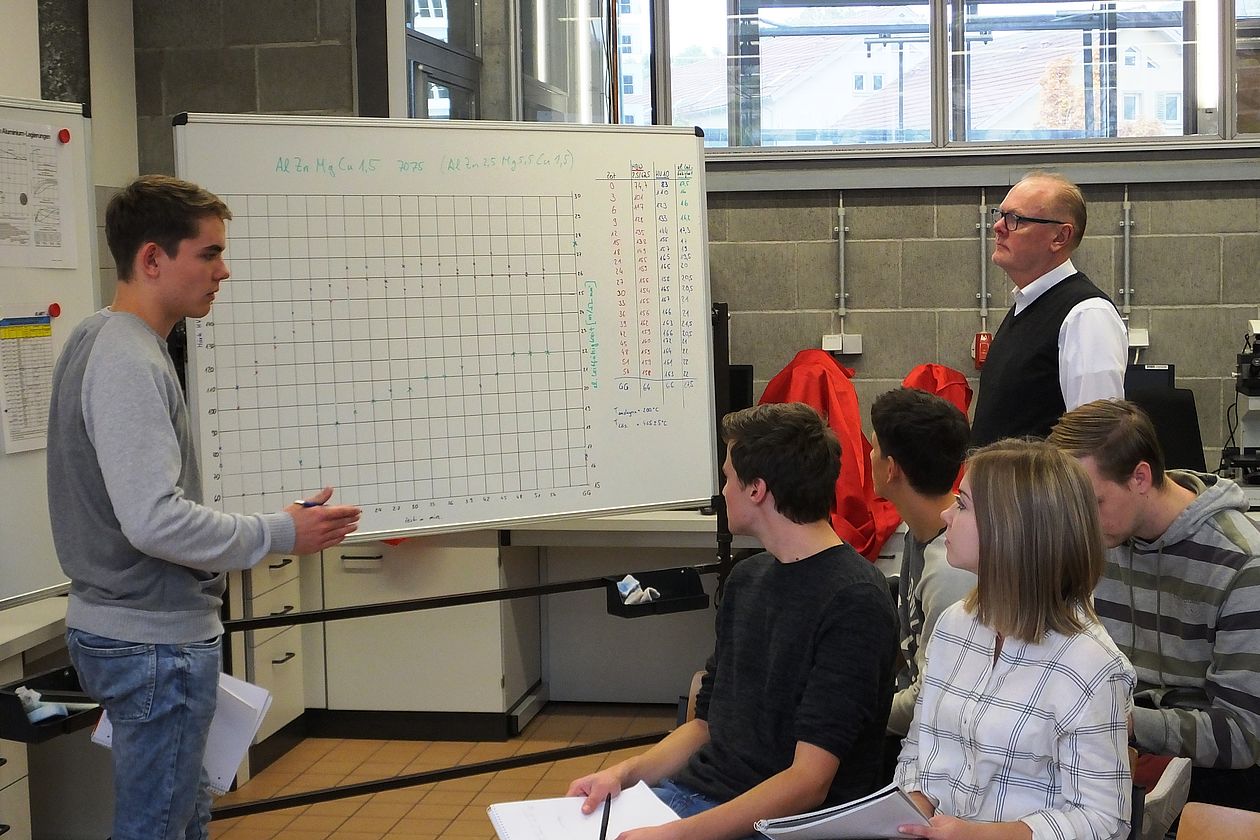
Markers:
(274, 655)
(15, 809)
(15, 803)
(471, 658)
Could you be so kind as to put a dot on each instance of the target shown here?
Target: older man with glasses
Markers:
(1062, 344)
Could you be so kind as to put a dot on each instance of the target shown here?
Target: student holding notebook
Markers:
(794, 700)
(1020, 727)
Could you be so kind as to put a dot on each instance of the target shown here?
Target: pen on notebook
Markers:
(603, 824)
(307, 503)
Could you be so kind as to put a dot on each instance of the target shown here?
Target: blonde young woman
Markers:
(1020, 727)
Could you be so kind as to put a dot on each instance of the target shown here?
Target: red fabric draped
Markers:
(815, 378)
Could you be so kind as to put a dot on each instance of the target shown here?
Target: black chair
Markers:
(1176, 420)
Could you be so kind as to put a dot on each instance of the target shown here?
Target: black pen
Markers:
(603, 825)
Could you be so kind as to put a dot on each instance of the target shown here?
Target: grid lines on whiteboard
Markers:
(404, 349)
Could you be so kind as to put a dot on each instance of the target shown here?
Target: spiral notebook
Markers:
(876, 815)
(562, 818)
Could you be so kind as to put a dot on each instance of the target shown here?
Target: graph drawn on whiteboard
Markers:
(426, 371)
(464, 341)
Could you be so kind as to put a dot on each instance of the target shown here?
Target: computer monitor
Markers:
(1147, 377)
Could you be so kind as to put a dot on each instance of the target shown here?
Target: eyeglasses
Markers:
(1014, 220)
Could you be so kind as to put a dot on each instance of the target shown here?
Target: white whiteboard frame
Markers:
(329, 156)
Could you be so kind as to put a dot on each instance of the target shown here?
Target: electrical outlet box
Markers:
(1139, 337)
(843, 343)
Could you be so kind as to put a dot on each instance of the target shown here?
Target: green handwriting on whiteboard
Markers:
(327, 167)
(331, 167)
(588, 327)
(559, 161)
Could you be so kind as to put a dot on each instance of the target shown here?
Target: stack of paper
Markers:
(562, 818)
(240, 711)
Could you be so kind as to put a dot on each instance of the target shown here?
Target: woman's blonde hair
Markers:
(1040, 545)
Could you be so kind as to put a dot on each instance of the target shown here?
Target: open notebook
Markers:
(562, 818)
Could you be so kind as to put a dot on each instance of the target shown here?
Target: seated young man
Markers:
(794, 700)
(918, 446)
(1180, 595)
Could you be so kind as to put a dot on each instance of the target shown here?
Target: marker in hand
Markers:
(307, 503)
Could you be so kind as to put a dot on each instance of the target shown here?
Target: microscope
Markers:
(1245, 456)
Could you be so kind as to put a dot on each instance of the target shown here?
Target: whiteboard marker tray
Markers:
(57, 685)
(680, 590)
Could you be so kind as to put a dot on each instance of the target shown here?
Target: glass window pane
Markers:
(634, 28)
(821, 74)
(452, 22)
(1247, 67)
(1041, 71)
(565, 72)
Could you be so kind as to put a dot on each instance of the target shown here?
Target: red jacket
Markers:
(944, 382)
(815, 378)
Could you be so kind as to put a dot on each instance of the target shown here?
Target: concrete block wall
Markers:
(238, 56)
(912, 263)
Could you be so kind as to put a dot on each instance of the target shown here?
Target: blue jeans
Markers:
(686, 802)
(160, 699)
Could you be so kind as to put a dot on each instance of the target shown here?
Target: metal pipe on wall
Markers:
(1127, 225)
(842, 296)
(983, 294)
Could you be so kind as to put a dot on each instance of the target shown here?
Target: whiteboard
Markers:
(47, 256)
(457, 325)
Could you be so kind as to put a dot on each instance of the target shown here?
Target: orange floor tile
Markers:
(451, 809)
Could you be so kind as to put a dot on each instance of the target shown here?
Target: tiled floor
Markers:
(452, 809)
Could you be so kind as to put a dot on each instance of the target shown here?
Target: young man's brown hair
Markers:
(156, 208)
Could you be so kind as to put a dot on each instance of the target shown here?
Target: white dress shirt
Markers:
(1093, 342)
(1040, 736)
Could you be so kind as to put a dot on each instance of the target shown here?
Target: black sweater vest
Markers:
(1019, 384)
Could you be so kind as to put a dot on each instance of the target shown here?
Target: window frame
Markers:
(945, 114)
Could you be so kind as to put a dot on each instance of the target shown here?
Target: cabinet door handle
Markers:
(284, 658)
(4, 829)
(3, 761)
(288, 608)
(283, 562)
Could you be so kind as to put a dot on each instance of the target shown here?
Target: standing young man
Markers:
(794, 700)
(1180, 595)
(145, 558)
(918, 446)
(1062, 343)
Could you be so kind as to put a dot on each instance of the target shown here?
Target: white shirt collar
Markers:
(1025, 296)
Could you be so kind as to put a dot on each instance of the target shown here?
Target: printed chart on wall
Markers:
(457, 325)
(36, 228)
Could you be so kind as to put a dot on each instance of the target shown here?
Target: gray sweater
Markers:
(145, 558)
(1185, 609)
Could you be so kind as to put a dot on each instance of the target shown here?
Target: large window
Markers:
(1050, 71)
(845, 72)
(852, 73)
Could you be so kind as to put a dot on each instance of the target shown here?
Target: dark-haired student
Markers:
(918, 446)
(794, 700)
